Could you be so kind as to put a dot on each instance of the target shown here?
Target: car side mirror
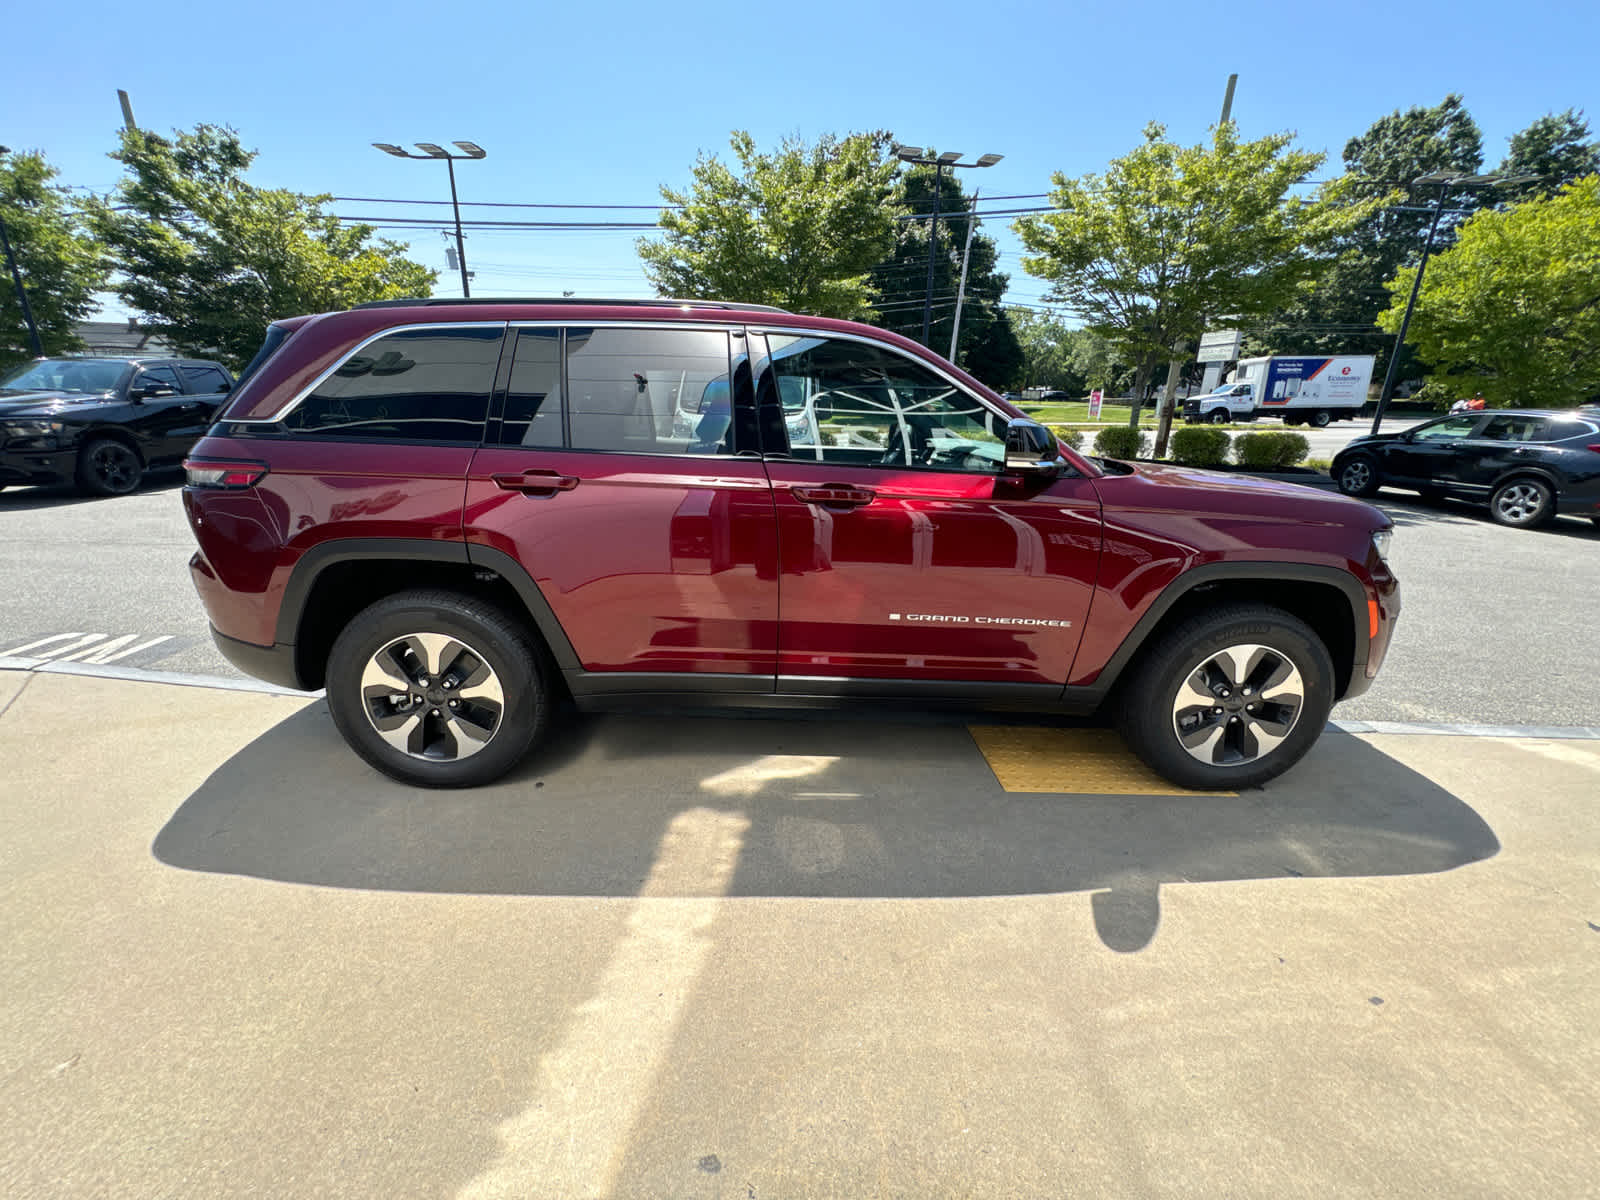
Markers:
(1031, 449)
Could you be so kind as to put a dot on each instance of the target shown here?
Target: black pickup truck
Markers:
(102, 422)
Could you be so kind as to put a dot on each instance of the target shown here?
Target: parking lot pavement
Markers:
(768, 957)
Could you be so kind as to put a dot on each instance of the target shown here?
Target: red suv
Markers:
(454, 514)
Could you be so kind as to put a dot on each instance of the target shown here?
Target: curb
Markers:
(223, 683)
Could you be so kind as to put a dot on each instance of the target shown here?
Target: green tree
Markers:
(1056, 356)
(1513, 308)
(61, 264)
(1172, 236)
(208, 259)
(800, 228)
(1337, 314)
(988, 347)
(1557, 148)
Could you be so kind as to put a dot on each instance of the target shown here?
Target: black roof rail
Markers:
(430, 302)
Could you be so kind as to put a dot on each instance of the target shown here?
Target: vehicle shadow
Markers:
(828, 808)
(16, 498)
(1413, 511)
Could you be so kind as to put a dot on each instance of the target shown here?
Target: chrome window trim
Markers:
(283, 411)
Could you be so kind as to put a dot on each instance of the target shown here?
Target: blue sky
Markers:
(600, 103)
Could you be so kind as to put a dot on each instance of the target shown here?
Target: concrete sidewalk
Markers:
(721, 957)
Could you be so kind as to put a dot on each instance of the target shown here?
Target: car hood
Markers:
(1222, 492)
(28, 404)
(1371, 439)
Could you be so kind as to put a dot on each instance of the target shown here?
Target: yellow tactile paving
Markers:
(1028, 758)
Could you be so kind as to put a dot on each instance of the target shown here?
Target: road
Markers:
(1498, 624)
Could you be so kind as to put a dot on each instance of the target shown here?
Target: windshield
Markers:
(64, 375)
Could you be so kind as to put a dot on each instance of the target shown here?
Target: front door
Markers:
(1427, 455)
(617, 475)
(906, 553)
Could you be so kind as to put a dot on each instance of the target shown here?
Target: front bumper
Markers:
(36, 467)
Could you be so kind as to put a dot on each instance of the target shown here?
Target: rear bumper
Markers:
(1582, 502)
(275, 663)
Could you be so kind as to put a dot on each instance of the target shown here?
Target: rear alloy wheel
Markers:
(1358, 476)
(107, 467)
(1320, 418)
(1230, 698)
(1522, 503)
(437, 689)
(1218, 417)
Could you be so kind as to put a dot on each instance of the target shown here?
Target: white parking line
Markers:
(55, 637)
(84, 640)
(110, 658)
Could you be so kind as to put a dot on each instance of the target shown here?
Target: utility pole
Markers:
(916, 155)
(16, 279)
(961, 288)
(1227, 99)
(128, 122)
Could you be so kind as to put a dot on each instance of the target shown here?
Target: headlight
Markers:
(1380, 542)
(30, 429)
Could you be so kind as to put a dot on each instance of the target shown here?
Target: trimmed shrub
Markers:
(1072, 437)
(1268, 450)
(1120, 441)
(1199, 446)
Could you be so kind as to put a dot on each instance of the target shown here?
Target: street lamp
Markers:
(1446, 180)
(915, 154)
(429, 150)
(16, 279)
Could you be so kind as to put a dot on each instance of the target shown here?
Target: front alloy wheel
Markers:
(1228, 698)
(1238, 705)
(108, 467)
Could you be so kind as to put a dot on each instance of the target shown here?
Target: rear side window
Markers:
(204, 379)
(1562, 431)
(649, 391)
(417, 385)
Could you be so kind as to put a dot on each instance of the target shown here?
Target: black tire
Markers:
(1149, 698)
(517, 666)
(1321, 419)
(108, 467)
(1219, 417)
(1358, 476)
(1523, 503)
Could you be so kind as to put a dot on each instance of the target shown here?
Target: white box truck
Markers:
(1302, 389)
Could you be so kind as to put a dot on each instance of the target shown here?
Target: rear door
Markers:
(205, 388)
(1495, 447)
(617, 475)
(908, 555)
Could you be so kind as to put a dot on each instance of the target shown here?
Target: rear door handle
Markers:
(536, 483)
(834, 495)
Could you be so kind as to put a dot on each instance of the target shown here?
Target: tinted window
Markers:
(850, 402)
(428, 385)
(1515, 429)
(1561, 431)
(649, 391)
(164, 375)
(276, 336)
(532, 415)
(205, 379)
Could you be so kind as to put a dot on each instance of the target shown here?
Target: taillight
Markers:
(218, 473)
(1595, 446)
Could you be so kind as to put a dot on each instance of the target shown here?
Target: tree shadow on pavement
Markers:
(868, 807)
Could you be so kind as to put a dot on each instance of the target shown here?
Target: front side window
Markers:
(1448, 429)
(649, 391)
(851, 402)
(414, 385)
(164, 375)
(205, 379)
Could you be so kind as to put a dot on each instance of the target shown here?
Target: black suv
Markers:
(1528, 465)
(103, 421)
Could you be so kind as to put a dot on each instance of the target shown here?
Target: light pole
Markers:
(429, 150)
(16, 279)
(1446, 180)
(915, 154)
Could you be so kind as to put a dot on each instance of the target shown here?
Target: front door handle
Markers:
(834, 495)
(536, 483)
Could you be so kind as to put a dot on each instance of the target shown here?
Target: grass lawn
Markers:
(1078, 414)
